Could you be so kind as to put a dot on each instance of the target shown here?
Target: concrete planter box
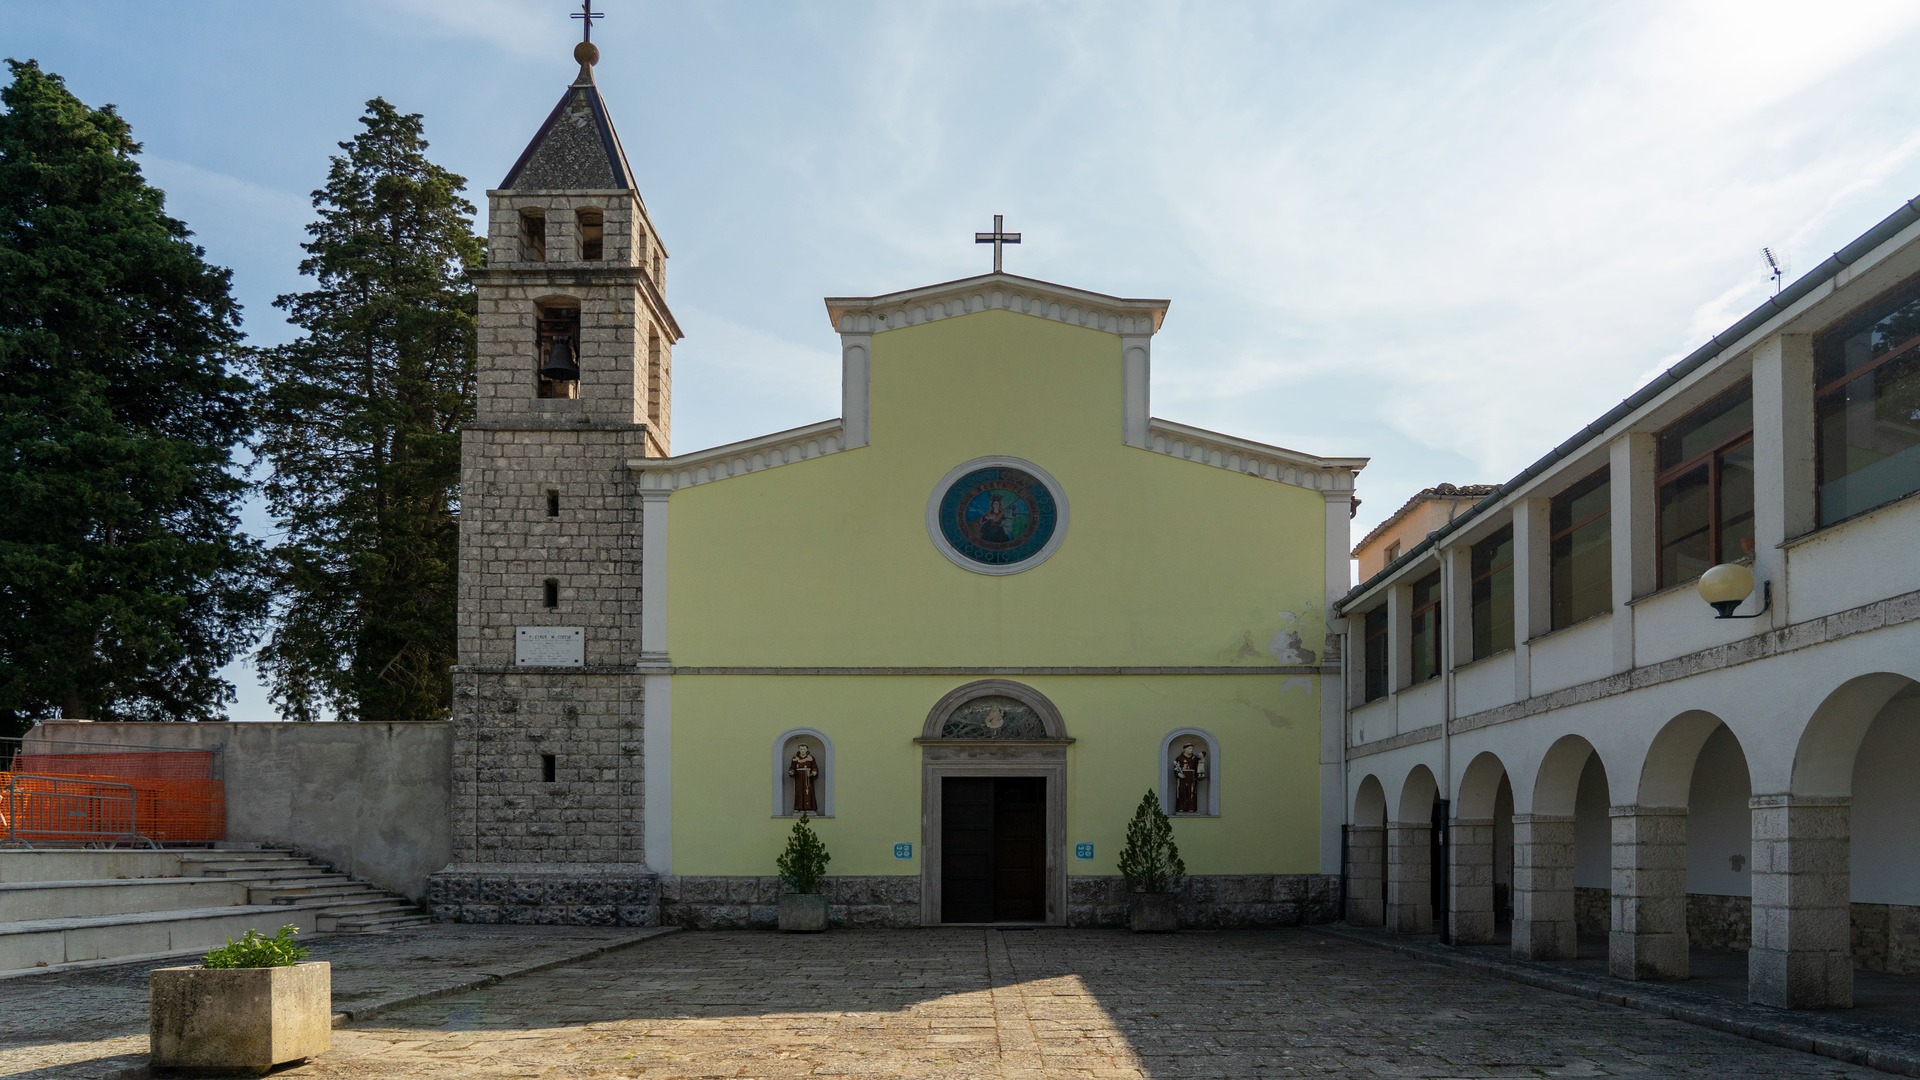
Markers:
(1154, 913)
(248, 1019)
(803, 913)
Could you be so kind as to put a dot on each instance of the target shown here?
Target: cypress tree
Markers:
(360, 420)
(125, 579)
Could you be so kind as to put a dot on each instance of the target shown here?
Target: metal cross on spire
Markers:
(586, 15)
(997, 237)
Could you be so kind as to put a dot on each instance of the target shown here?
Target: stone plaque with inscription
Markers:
(549, 646)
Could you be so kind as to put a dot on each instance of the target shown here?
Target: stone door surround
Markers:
(1043, 757)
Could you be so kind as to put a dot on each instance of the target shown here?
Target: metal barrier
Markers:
(69, 810)
(180, 796)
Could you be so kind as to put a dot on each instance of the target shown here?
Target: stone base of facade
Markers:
(1719, 922)
(1206, 901)
(545, 895)
(1216, 901)
(752, 903)
(1886, 937)
(1592, 910)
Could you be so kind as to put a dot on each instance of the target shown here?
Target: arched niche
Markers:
(1206, 786)
(785, 747)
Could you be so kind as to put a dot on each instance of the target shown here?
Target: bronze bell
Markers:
(560, 366)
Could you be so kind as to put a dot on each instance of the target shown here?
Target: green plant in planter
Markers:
(805, 861)
(1151, 860)
(256, 950)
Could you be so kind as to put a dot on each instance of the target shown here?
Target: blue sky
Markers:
(1443, 235)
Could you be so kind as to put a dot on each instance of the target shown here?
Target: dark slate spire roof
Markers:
(577, 147)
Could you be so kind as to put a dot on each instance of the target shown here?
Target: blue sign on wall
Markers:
(903, 851)
(1083, 851)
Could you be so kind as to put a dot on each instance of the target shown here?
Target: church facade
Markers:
(962, 628)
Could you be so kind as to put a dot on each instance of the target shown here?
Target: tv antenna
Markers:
(1777, 265)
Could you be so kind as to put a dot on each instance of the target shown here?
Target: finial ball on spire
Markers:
(587, 53)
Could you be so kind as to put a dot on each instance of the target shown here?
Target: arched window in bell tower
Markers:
(557, 349)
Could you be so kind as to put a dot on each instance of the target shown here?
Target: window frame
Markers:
(1853, 321)
(1601, 477)
(1432, 611)
(1714, 458)
(1478, 578)
(1371, 674)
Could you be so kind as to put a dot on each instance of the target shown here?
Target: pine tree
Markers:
(125, 579)
(360, 419)
(1151, 861)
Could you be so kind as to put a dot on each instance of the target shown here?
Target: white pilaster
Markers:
(653, 576)
(657, 771)
(856, 372)
(1532, 607)
(1635, 570)
(1784, 500)
(1136, 379)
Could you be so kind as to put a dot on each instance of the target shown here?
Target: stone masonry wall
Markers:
(1206, 901)
(563, 896)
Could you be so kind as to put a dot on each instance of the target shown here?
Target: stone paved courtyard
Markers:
(982, 1003)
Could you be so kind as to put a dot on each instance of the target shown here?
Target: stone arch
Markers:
(785, 746)
(1411, 856)
(1417, 795)
(1479, 786)
(1370, 803)
(1480, 849)
(1556, 783)
(1208, 791)
(1666, 776)
(1366, 884)
(1824, 760)
(961, 696)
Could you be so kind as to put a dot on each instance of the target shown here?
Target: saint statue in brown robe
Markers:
(805, 769)
(1189, 768)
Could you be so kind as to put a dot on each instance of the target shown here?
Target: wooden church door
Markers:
(993, 849)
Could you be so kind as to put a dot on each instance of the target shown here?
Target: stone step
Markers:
(263, 870)
(386, 922)
(46, 942)
(346, 888)
(71, 865)
(35, 900)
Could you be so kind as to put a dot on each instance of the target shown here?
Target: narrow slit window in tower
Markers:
(549, 768)
(553, 504)
(552, 597)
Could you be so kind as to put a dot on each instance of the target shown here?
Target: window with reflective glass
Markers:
(1426, 627)
(1580, 554)
(1704, 487)
(1867, 406)
(1374, 634)
(1492, 594)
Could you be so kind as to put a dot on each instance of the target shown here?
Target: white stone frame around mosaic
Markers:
(1213, 771)
(782, 750)
(953, 555)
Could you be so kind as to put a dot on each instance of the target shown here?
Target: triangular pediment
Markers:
(995, 292)
(575, 150)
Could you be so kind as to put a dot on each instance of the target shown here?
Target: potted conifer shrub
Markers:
(249, 1006)
(1151, 864)
(803, 865)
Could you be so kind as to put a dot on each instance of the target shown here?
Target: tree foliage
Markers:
(803, 864)
(125, 579)
(360, 419)
(1151, 861)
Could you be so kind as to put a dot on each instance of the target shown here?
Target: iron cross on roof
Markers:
(997, 237)
(586, 15)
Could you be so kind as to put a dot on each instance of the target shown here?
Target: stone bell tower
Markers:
(575, 379)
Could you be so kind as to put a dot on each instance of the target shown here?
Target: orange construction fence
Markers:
(165, 797)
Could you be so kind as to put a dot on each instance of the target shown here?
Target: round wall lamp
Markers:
(1728, 585)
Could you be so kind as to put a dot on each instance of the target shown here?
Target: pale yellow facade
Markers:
(811, 595)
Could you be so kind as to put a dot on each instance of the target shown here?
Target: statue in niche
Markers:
(805, 770)
(1189, 768)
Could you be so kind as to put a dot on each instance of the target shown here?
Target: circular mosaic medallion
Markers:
(997, 515)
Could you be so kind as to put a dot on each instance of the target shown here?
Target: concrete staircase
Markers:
(67, 907)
